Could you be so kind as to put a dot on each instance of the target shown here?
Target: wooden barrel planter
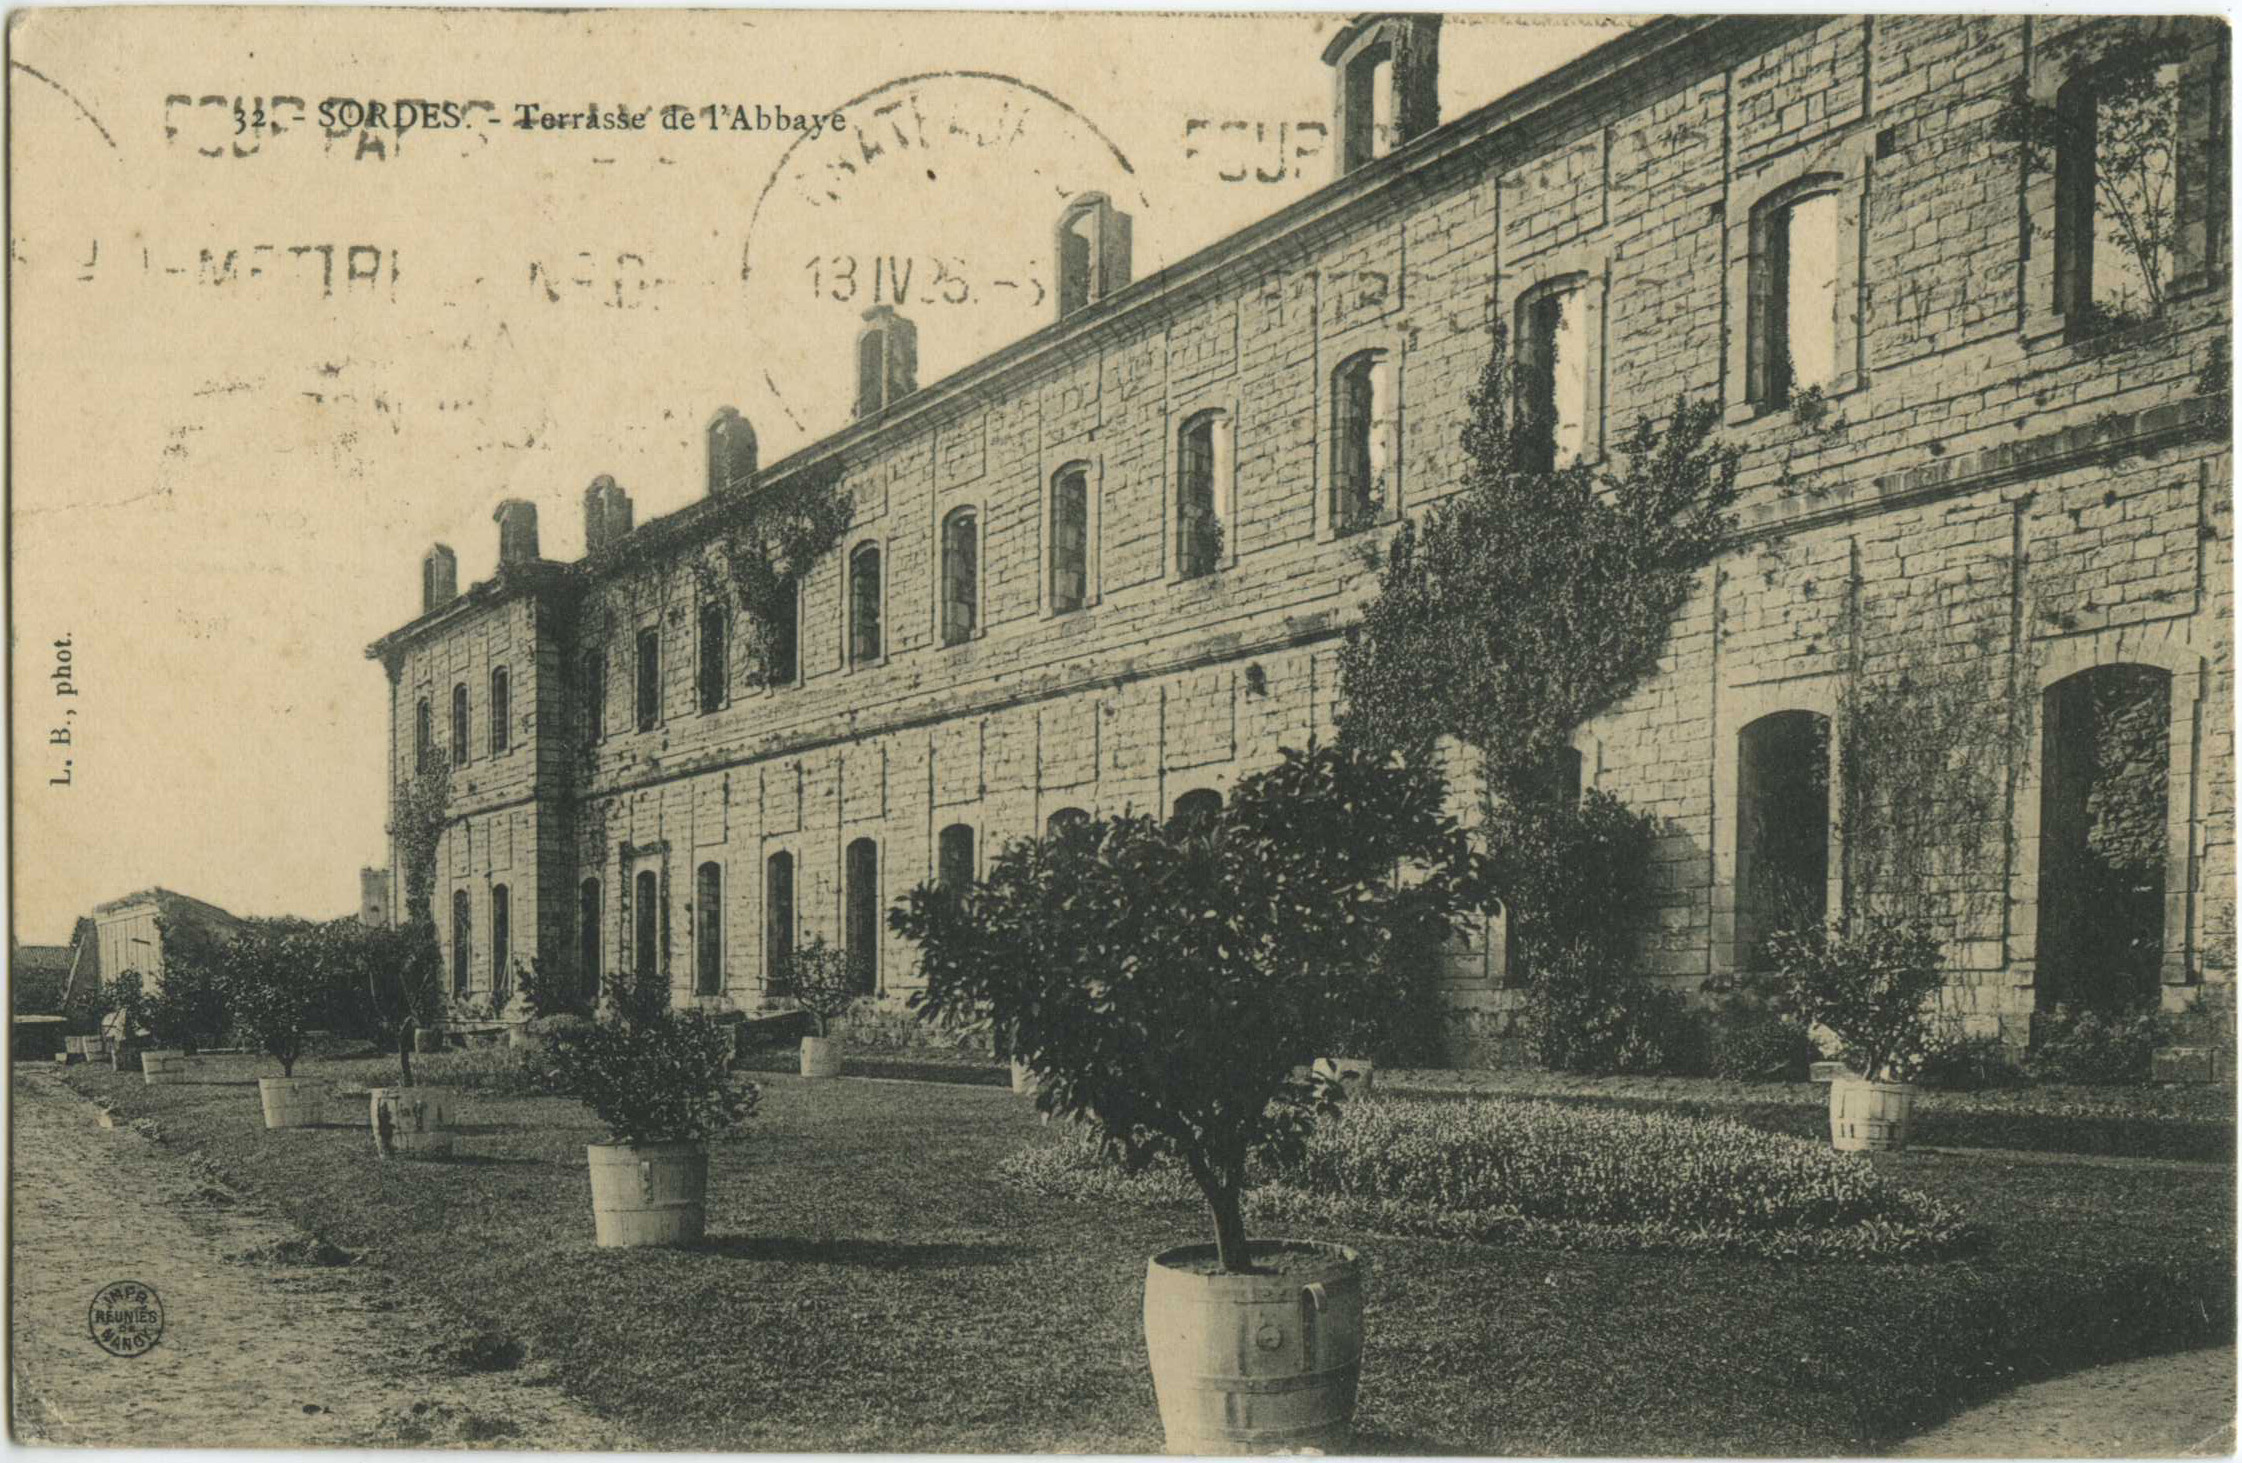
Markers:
(649, 1194)
(1869, 1117)
(294, 1102)
(171, 1068)
(821, 1056)
(1353, 1074)
(1264, 1363)
(86, 1048)
(1024, 1081)
(409, 1122)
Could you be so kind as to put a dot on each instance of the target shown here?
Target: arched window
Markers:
(1551, 424)
(1070, 539)
(501, 941)
(595, 694)
(961, 576)
(1062, 819)
(708, 930)
(1196, 810)
(649, 677)
(1793, 285)
(862, 924)
(501, 710)
(953, 861)
(424, 736)
(646, 911)
(2105, 798)
(1202, 472)
(463, 937)
(1782, 829)
(460, 747)
(713, 663)
(778, 914)
(1361, 440)
(588, 957)
(864, 605)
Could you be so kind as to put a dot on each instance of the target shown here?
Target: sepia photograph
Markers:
(1003, 732)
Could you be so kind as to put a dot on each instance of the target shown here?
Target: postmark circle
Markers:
(126, 1318)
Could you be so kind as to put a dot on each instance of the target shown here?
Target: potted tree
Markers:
(1167, 983)
(657, 1079)
(824, 980)
(272, 976)
(1871, 983)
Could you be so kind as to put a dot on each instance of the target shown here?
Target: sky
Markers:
(259, 364)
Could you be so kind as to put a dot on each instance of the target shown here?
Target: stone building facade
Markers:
(1109, 567)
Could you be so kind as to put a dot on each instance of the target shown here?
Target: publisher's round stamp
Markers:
(126, 1318)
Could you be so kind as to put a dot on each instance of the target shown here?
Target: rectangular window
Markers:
(708, 930)
(1202, 452)
(1070, 540)
(1362, 410)
(595, 695)
(960, 577)
(501, 939)
(864, 606)
(649, 678)
(460, 746)
(784, 665)
(713, 663)
(1553, 380)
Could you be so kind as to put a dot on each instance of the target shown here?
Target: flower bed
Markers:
(1551, 1175)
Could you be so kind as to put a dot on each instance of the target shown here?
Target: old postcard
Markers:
(833, 731)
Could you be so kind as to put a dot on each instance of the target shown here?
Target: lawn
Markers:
(869, 1285)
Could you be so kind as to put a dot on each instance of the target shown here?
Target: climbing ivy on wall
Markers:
(1531, 600)
(767, 540)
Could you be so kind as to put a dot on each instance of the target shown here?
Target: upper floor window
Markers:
(1070, 539)
(424, 736)
(1551, 427)
(712, 668)
(649, 677)
(782, 662)
(595, 695)
(1203, 465)
(1794, 295)
(961, 576)
(460, 748)
(864, 605)
(501, 710)
(2116, 187)
(1362, 440)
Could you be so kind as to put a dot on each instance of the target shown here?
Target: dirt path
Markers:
(2151, 1407)
(253, 1353)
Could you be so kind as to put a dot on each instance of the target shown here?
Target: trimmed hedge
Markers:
(920, 1067)
(1548, 1175)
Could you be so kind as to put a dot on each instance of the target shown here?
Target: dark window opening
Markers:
(961, 577)
(1201, 450)
(1063, 819)
(778, 914)
(2105, 797)
(708, 930)
(784, 666)
(1782, 829)
(864, 606)
(463, 932)
(649, 678)
(1552, 369)
(501, 942)
(713, 662)
(424, 737)
(460, 746)
(501, 710)
(1196, 811)
(1070, 540)
(595, 695)
(954, 868)
(646, 909)
(1361, 441)
(862, 926)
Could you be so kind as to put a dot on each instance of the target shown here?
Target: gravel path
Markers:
(2151, 1407)
(254, 1353)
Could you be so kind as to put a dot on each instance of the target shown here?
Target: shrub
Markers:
(1166, 980)
(494, 1071)
(1582, 1015)
(1750, 1041)
(823, 980)
(188, 1008)
(275, 977)
(1545, 1174)
(649, 1074)
(1955, 1062)
(1869, 982)
(2079, 1045)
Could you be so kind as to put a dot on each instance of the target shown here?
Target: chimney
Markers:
(887, 360)
(607, 514)
(517, 531)
(1385, 84)
(1091, 247)
(731, 452)
(439, 578)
